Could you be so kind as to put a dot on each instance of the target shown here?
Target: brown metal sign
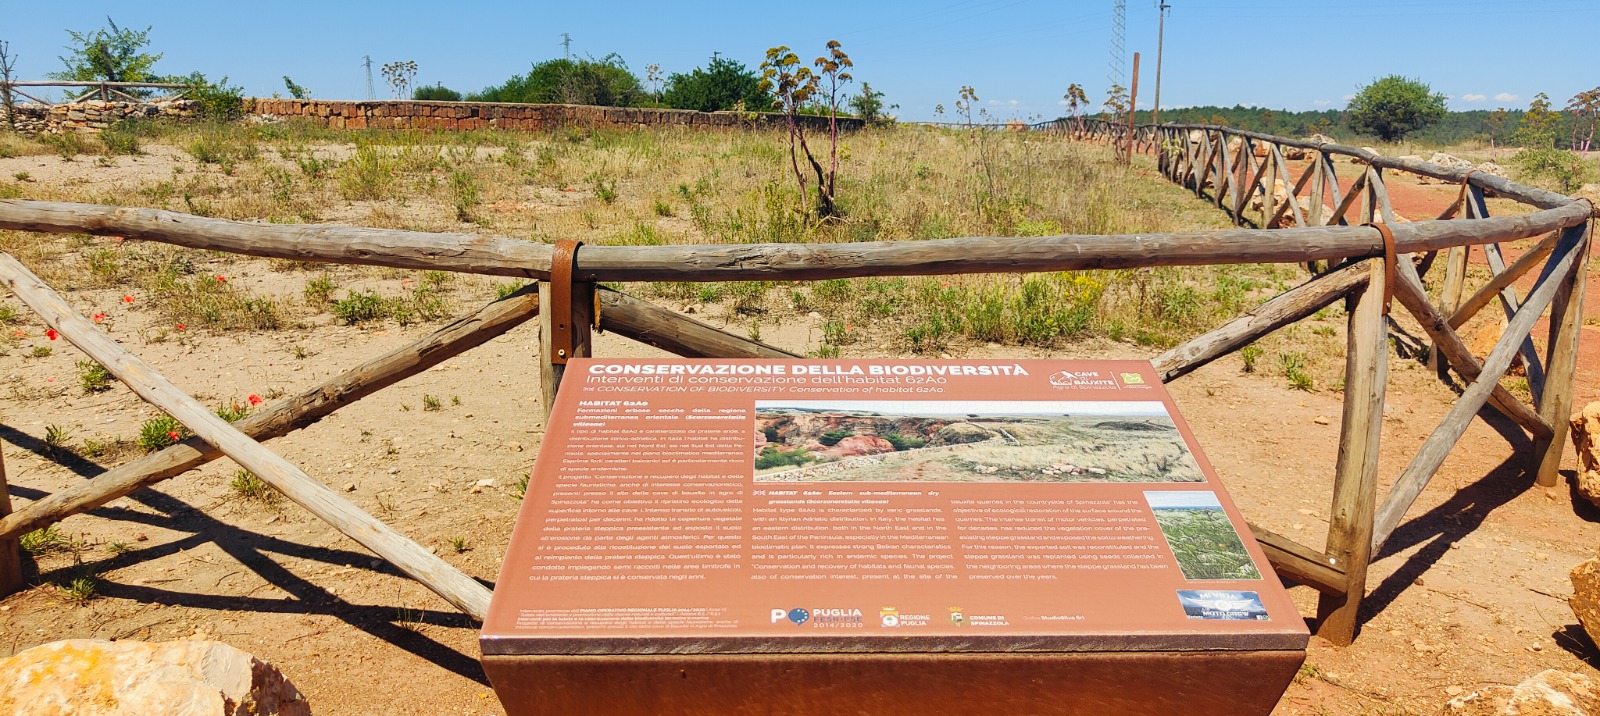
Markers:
(887, 506)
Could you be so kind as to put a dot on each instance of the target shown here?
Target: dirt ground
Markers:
(1470, 591)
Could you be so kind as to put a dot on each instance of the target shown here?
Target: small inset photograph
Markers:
(970, 441)
(1215, 604)
(1200, 535)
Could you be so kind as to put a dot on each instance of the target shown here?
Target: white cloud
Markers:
(994, 103)
(1470, 97)
(1506, 97)
(1322, 102)
(1063, 103)
(1011, 102)
(1349, 97)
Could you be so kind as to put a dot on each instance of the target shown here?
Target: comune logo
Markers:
(1065, 379)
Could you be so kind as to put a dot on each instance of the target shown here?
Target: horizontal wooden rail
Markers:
(501, 256)
(652, 325)
(465, 253)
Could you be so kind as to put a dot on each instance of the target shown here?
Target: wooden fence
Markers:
(1362, 265)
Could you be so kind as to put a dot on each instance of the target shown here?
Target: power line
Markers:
(566, 46)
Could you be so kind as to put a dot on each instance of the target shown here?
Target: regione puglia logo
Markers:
(1066, 379)
(797, 615)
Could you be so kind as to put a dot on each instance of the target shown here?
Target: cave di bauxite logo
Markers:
(1066, 379)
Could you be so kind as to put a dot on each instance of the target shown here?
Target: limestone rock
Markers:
(1449, 161)
(1322, 139)
(1585, 599)
(92, 677)
(1586, 440)
(1492, 168)
(1547, 693)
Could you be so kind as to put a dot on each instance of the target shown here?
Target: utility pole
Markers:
(1133, 104)
(1161, 33)
(368, 62)
(566, 46)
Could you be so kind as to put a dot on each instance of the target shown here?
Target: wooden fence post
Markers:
(1566, 323)
(10, 549)
(1355, 484)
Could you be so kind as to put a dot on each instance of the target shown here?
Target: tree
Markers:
(1076, 101)
(398, 75)
(720, 86)
(833, 66)
(1116, 105)
(1539, 126)
(652, 74)
(436, 93)
(1540, 161)
(1497, 124)
(1394, 106)
(792, 84)
(1585, 110)
(870, 108)
(605, 82)
(295, 91)
(109, 54)
(9, 102)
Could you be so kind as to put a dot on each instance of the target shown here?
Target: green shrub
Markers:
(606, 81)
(120, 139)
(901, 442)
(368, 174)
(160, 432)
(771, 457)
(93, 377)
(832, 437)
(436, 93)
(360, 307)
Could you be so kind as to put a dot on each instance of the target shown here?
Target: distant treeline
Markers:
(1456, 128)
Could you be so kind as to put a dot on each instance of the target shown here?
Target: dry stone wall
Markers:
(93, 116)
(401, 114)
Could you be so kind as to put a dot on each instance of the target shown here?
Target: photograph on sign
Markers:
(969, 441)
(1201, 536)
(1218, 604)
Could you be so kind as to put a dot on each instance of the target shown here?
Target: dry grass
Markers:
(673, 186)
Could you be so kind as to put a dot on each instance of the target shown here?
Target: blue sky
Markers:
(1019, 55)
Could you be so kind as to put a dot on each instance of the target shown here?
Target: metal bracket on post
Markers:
(562, 264)
(1389, 259)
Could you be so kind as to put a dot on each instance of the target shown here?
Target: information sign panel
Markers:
(889, 507)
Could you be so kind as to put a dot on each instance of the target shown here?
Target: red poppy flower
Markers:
(182, 327)
(117, 239)
(18, 334)
(52, 334)
(254, 399)
(172, 434)
(221, 278)
(405, 281)
(127, 299)
(98, 317)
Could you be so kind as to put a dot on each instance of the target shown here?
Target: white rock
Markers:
(91, 677)
(1548, 693)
